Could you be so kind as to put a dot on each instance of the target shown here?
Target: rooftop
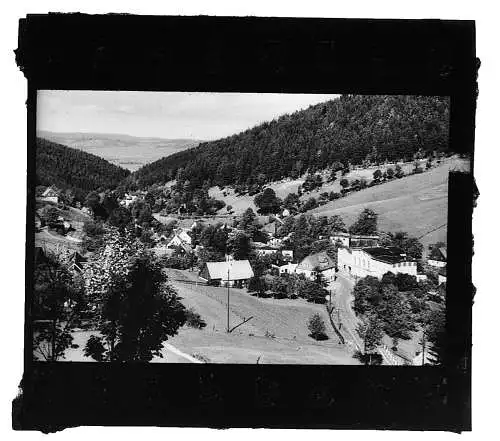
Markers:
(238, 270)
(387, 254)
(319, 260)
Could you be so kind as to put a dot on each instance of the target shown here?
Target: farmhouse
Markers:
(50, 195)
(438, 259)
(314, 263)
(289, 268)
(232, 272)
(376, 261)
(180, 237)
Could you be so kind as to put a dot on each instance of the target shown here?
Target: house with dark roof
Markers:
(438, 257)
(49, 195)
(230, 272)
(375, 261)
(317, 263)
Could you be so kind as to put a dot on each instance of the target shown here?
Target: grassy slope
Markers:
(284, 318)
(52, 240)
(416, 204)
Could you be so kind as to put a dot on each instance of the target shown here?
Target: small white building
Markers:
(314, 263)
(50, 195)
(376, 261)
(289, 268)
(179, 238)
(128, 200)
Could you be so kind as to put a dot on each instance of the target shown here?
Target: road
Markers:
(342, 299)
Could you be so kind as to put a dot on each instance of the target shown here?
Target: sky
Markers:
(202, 116)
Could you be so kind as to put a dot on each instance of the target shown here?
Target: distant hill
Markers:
(129, 152)
(68, 168)
(344, 130)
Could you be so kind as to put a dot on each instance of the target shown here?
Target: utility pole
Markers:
(423, 348)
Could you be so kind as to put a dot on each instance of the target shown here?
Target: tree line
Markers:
(347, 130)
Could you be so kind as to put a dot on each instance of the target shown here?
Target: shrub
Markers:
(201, 357)
(317, 328)
(194, 320)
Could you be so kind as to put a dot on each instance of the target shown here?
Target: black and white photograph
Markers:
(241, 228)
(247, 222)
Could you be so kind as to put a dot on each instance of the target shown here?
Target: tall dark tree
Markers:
(267, 202)
(366, 223)
(238, 243)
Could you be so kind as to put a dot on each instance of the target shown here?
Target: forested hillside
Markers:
(71, 169)
(347, 130)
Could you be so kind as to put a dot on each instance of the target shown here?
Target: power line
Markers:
(431, 231)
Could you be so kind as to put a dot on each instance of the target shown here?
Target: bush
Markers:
(279, 295)
(317, 328)
(194, 320)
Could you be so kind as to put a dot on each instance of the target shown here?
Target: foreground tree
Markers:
(370, 330)
(135, 310)
(317, 327)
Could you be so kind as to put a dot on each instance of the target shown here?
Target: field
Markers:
(277, 333)
(416, 204)
(129, 152)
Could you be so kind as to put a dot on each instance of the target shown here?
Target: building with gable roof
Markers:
(317, 263)
(50, 195)
(233, 272)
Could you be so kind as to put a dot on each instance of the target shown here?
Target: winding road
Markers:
(342, 299)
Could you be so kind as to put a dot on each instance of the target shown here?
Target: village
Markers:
(234, 270)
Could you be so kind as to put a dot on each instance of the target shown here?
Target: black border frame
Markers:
(258, 54)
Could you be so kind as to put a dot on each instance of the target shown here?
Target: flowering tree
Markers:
(135, 310)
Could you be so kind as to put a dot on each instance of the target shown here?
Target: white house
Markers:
(289, 268)
(375, 261)
(314, 263)
(232, 272)
(179, 238)
(50, 195)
